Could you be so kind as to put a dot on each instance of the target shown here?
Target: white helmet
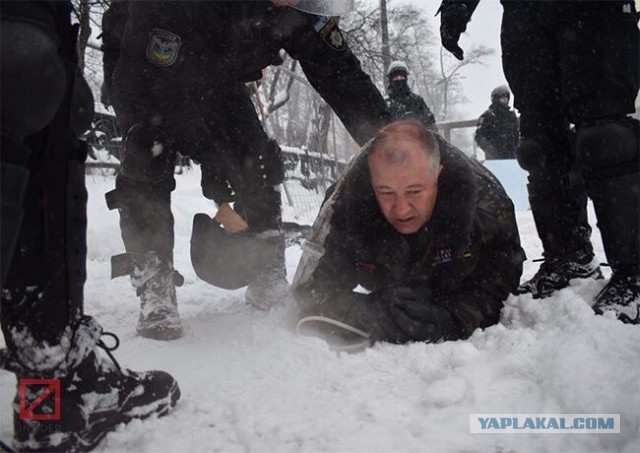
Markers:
(323, 7)
(398, 66)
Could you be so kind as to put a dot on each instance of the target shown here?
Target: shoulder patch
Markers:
(327, 28)
(163, 47)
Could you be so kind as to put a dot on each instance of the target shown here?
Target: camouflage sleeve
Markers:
(494, 276)
(329, 289)
(335, 72)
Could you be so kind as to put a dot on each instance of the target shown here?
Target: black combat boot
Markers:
(271, 288)
(556, 273)
(621, 296)
(155, 281)
(70, 397)
(608, 151)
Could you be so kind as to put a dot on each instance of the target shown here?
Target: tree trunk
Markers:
(84, 11)
(384, 24)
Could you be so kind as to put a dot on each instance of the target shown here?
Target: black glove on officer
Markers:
(454, 17)
(410, 313)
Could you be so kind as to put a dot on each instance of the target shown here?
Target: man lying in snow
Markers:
(428, 231)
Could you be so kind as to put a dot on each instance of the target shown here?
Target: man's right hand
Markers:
(230, 219)
(454, 17)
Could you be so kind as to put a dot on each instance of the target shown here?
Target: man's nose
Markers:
(402, 206)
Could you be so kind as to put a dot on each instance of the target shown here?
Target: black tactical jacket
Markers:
(403, 104)
(469, 250)
(498, 132)
(213, 44)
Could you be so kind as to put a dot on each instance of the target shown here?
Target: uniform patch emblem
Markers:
(327, 28)
(163, 47)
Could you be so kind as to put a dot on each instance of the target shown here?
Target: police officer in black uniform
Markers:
(574, 62)
(402, 103)
(178, 84)
(498, 131)
(46, 105)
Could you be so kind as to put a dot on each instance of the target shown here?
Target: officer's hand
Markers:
(412, 308)
(454, 17)
(230, 219)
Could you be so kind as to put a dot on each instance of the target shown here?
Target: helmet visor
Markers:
(323, 7)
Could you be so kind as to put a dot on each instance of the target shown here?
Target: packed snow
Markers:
(251, 384)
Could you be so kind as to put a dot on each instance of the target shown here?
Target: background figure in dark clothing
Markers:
(402, 103)
(177, 74)
(46, 105)
(498, 130)
(574, 62)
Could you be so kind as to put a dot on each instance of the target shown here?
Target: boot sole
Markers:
(161, 334)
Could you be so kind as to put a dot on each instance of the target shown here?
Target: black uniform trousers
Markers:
(566, 62)
(42, 292)
(172, 94)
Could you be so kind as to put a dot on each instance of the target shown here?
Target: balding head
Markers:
(404, 165)
(394, 140)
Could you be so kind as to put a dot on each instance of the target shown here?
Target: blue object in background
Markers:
(513, 179)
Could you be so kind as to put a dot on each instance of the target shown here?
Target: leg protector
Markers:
(558, 199)
(14, 176)
(143, 193)
(609, 156)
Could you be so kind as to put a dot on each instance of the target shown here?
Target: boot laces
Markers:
(108, 349)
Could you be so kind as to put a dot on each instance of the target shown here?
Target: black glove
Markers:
(411, 307)
(454, 17)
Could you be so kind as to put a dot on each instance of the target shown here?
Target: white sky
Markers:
(484, 29)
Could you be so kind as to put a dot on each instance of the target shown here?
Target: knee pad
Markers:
(608, 149)
(146, 155)
(531, 154)
(33, 78)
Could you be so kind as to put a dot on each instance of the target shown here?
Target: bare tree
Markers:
(450, 71)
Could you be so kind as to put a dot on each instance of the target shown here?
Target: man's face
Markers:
(406, 190)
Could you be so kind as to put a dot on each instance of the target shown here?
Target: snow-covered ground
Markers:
(250, 384)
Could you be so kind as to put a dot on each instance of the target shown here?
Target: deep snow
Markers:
(250, 384)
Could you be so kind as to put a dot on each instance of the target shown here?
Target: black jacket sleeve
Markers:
(485, 134)
(335, 72)
(426, 117)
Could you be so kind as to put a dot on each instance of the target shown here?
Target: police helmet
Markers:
(500, 91)
(323, 7)
(397, 67)
(228, 261)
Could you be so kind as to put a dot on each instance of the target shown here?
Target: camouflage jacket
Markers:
(469, 251)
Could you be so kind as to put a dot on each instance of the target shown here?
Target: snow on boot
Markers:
(270, 288)
(621, 296)
(556, 273)
(155, 281)
(92, 395)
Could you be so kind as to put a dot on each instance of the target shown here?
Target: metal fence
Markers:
(307, 174)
